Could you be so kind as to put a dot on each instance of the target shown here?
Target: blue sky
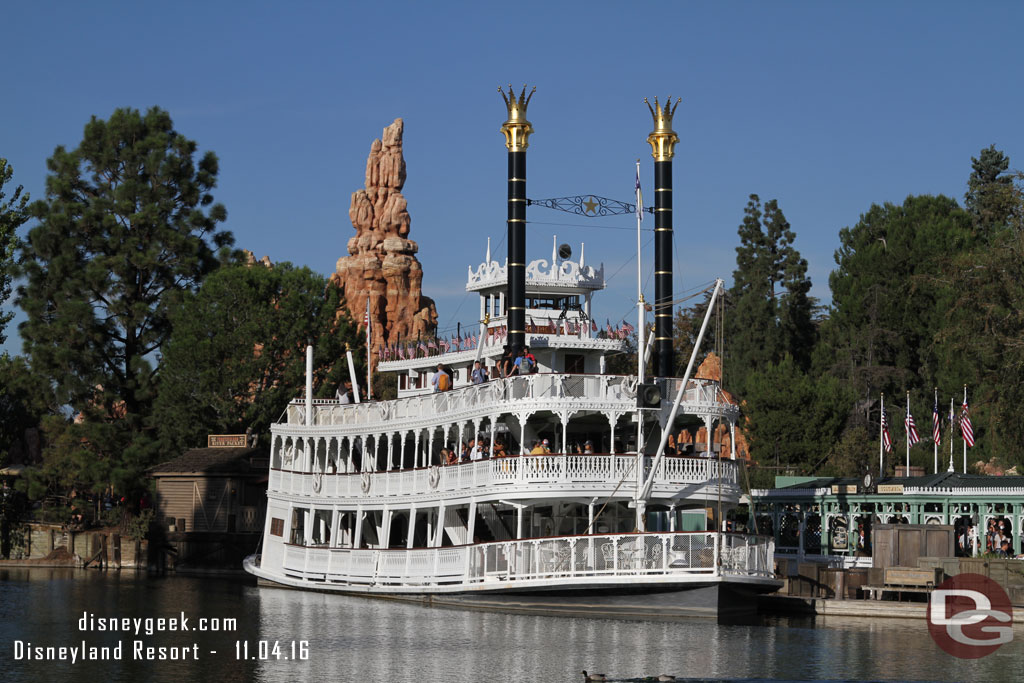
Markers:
(826, 108)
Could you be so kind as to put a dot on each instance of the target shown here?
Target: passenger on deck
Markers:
(476, 450)
(530, 357)
(546, 446)
(505, 363)
(588, 447)
(537, 449)
(449, 456)
(479, 375)
(441, 381)
(345, 395)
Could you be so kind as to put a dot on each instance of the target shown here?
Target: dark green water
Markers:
(358, 639)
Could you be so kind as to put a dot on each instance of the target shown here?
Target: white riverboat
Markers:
(553, 510)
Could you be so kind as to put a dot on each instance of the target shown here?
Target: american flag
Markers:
(886, 439)
(936, 423)
(912, 435)
(965, 425)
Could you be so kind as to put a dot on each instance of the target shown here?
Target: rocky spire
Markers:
(382, 263)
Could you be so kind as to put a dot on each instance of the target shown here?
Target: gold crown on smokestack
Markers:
(663, 139)
(516, 129)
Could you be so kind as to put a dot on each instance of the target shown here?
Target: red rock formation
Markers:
(711, 369)
(382, 265)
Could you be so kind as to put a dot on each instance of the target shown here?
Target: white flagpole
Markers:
(935, 446)
(965, 440)
(881, 440)
(641, 315)
(369, 360)
(906, 425)
(951, 418)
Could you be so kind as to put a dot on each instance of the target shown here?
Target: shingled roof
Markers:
(210, 460)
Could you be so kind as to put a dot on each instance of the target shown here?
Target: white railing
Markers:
(509, 473)
(560, 560)
(485, 399)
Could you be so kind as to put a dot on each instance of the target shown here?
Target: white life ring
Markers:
(434, 476)
(365, 483)
(318, 481)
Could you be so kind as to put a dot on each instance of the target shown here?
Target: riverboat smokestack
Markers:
(663, 147)
(517, 132)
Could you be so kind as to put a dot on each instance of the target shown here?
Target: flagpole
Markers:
(951, 418)
(935, 444)
(965, 439)
(641, 315)
(881, 439)
(906, 425)
(369, 360)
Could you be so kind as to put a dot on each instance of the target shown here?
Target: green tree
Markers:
(794, 417)
(771, 313)
(983, 334)
(236, 357)
(128, 222)
(889, 295)
(990, 197)
(12, 216)
(25, 397)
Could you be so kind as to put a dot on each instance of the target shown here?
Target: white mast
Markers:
(640, 331)
(645, 490)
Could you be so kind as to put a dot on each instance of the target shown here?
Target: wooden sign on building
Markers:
(226, 441)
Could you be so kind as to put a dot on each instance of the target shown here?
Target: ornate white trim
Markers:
(564, 274)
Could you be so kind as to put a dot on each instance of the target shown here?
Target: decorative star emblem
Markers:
(590, 206)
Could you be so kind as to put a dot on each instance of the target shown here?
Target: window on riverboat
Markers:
(276, 526)
(574, 363)
(403, 380)
(299, 526)
(321, 531)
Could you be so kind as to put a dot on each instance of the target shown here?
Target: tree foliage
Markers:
(770, 311)
(991, 198)
(12, 216)
(889, 295)
(25, 397)
(794, 418)
(236, 356)
(982, 334)
(127, 223)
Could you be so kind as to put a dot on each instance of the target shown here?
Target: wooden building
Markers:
(221, 488)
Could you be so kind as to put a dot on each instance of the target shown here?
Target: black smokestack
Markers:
(517, 131)
(663, 140)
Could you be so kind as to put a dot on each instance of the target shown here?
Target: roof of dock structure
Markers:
(941, 483)
(210, 461)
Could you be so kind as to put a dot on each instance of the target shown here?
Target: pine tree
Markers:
(990, 192)
(128, 223)
(12, 216)
(771, 313)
